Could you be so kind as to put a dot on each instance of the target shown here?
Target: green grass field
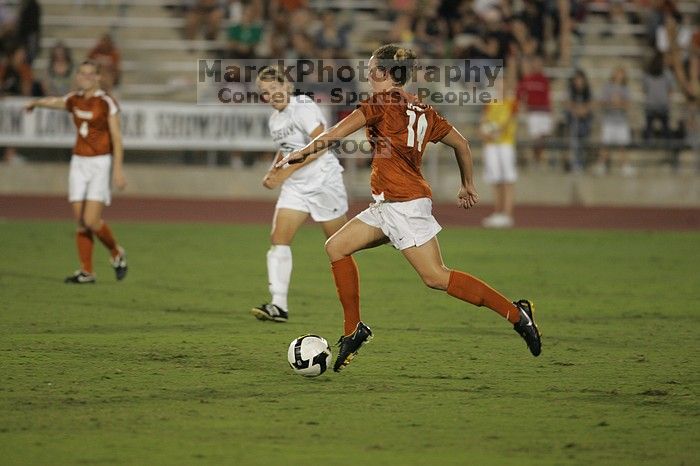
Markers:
(168, 367)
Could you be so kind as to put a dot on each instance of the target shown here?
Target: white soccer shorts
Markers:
(89, 179)
(499, 163)
(328, 203)
(406, 224)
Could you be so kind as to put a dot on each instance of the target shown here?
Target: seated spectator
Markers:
(277, 37)
(487, 48)
(332, 38)
(431, 31)
(466, 22)
(288, 6)
(616, 15)
(16, 77)
(203, 13)
(687, 72)
(672, 34)
(615, 125)
(107, 56)
(522, 44)
(533, 15)
(657, 85)
(245, 36)
(402, 30)
(302, 20)
(59, 75)
(28, 27)
(302, 47)
(579, 115)
(450, 12)
(693, 73)
(8, 25)
(489, 10)
(692, 126)
(533, 92)
(397, 8)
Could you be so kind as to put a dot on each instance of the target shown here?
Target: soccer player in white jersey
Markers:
(313, 188)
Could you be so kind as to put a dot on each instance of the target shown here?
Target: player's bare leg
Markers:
(332, 226)
(508, 199)
(427, 261)
(352, 237)
(285, 224)
(502, 217)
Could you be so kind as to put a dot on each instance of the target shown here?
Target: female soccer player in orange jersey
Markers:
(97, 154)
(402, 212)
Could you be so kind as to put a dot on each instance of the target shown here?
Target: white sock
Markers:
(279, 272)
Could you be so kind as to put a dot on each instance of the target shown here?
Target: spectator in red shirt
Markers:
(16, 76)
(533, 93)
(107, 55)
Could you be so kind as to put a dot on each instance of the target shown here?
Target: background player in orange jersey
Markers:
(402, 212)
(97, 154)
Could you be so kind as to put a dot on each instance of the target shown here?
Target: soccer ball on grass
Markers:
(309, 355)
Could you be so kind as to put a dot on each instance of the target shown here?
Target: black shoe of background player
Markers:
(526, 327)
(270, 312)
(80, 278)
(119, 264)
(349, 345)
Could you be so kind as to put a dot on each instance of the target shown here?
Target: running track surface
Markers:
(253, 211)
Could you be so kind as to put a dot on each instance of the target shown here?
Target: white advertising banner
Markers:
(146, 125)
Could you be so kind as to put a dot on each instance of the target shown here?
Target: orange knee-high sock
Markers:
(474, 291)
(104, 234)
(347, 282)
(83, 239)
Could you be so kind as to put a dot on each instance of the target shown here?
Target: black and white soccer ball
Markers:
(309, 355)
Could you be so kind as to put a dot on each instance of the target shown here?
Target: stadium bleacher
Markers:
(143, 30)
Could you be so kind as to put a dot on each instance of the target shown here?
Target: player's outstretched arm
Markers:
(343, 128)
(56, 103)
(467, 196)
(115, 133)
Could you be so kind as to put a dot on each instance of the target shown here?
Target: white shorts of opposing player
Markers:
(321, 194)
(499, 163)
(89, 179)
(406, 224)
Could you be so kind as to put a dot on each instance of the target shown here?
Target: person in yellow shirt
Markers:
(498, 130)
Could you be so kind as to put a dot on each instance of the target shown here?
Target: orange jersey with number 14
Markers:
(399, 128)
(91, 117)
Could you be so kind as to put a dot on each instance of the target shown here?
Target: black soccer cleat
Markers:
(527, 328)
(119, 264)
(270, 312)
(80, 278)
(350, 345)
